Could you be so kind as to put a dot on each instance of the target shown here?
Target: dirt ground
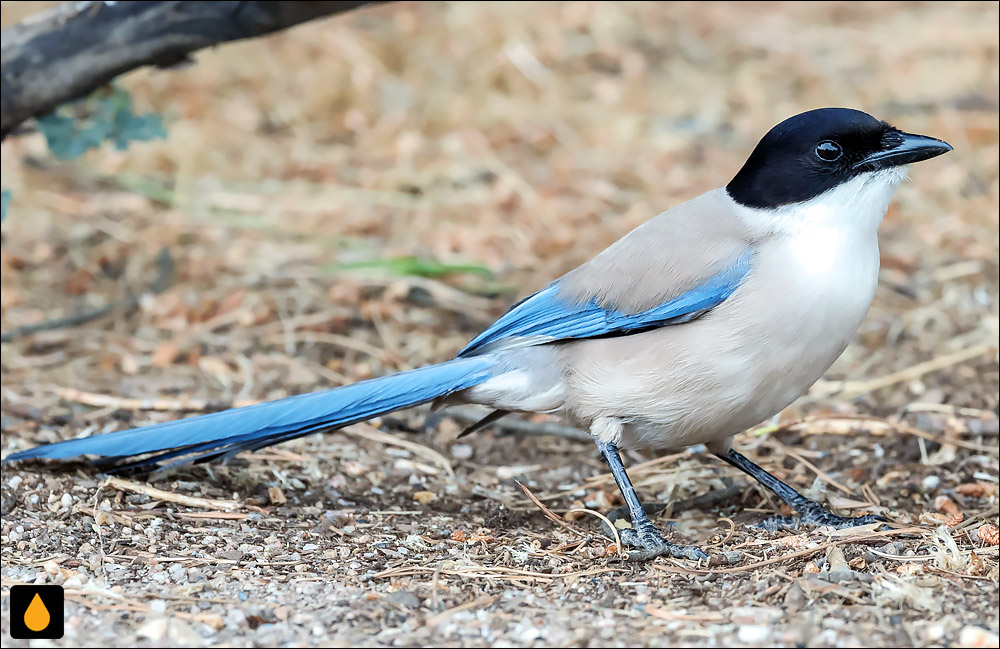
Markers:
(363, 195)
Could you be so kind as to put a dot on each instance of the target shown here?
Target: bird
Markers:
(700, 323)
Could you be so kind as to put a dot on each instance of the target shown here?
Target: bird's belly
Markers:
(737, 366)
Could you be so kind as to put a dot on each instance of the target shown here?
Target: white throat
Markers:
(835, 227)
(858, 204)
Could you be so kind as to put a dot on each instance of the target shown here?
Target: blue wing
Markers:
(545, 317)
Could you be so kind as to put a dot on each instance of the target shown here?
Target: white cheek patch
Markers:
(823, 230)
(856, 206)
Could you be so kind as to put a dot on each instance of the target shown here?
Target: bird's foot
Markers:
(815, 515)
(648, 543)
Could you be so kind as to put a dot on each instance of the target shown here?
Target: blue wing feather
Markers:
(545, 316)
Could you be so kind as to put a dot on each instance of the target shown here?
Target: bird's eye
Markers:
(828, 150)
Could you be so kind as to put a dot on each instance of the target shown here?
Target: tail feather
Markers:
(222, 434)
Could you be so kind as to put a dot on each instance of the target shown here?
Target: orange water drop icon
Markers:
(37, 616)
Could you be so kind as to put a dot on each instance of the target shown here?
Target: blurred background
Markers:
(483, 146)
(363, 194)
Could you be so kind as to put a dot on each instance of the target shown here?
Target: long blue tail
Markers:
(223, 434)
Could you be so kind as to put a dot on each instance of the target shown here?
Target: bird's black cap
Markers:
(810, 153)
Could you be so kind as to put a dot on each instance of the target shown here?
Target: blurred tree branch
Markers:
(68, 52)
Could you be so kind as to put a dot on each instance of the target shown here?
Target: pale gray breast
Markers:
(742, 362)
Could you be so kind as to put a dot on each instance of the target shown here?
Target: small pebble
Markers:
(276, 496)
(935, 632)
(795, 598)
(974, 636)
(404, 598)
(353, 468)
(424, 497)
(461, 451)
(236, 617)
(729, 558)
(753, 633)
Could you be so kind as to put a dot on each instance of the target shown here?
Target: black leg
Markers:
(643, 534)
(809, 511)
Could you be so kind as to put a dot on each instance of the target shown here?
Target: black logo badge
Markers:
(36, 612)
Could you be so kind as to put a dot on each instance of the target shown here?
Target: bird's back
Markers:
(664, 257)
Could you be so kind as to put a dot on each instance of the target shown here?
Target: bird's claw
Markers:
(648, 543)
(817, 517)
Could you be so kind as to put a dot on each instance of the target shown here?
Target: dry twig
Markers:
(551, 515)
(169, 496)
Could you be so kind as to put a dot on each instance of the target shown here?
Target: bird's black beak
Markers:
(902, 149)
